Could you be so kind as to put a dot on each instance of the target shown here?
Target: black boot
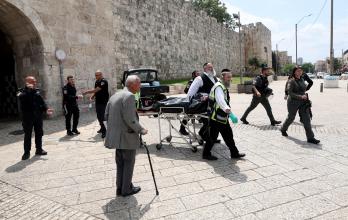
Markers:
(75, 131)
(284, 133)
(238, 155)
(26, 156)
(183, 130)
(244, 121)
(40, 152)
(313, 141)
(273, 123)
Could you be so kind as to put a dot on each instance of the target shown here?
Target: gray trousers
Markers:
(125, 160)
(293, 107)
(255, 102)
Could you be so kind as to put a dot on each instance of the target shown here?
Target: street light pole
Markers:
(296, 42)
(331, 42)
(237, 16)
(296, 31)
(240, 50)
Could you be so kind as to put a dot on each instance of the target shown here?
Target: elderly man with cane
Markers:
(123, 130)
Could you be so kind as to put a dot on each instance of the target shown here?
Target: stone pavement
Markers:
(280, 178)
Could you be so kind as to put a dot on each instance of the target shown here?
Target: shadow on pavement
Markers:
(23, 164)
(224, 166)
(305, 144)
(265, 127)
(313, 125)
(10, 131)
(95, 139)
(131, 211)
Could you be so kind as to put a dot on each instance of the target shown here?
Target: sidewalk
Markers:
(280, 178)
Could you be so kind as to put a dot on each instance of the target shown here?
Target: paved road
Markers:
(280, 178)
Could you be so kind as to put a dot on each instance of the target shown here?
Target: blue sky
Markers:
(280, 16)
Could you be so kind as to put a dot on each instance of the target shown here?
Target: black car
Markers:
(151, 91)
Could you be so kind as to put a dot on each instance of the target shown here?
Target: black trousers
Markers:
(125, 160)
(255, 102)
(226, 132)
(72, 111)
(204, 131)
(293, 107)
(28, 125)
(100, 109)
(184, 122)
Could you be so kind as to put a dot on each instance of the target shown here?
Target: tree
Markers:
(308, 68)
(337, 64)
(254, 62)
(288, 68)
(216, 9)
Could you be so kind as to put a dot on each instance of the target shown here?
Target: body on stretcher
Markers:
(178, 109)
(166, 114)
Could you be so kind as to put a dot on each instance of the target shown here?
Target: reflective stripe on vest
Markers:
(215, 107)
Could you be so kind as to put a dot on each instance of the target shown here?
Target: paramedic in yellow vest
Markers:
(219, 110)
(137, 100)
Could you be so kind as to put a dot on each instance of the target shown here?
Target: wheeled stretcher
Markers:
(191, 126)
(177, 114)
(178, 109)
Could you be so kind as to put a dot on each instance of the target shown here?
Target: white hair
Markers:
(131, 80)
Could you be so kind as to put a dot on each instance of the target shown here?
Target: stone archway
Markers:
(21, 35)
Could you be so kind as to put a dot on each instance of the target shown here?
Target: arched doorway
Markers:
(21, 54)
(8, 85)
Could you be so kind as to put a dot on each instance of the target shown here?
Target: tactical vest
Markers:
(217, 113)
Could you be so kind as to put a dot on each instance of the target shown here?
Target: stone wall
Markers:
(257, 38)
(113, 35)
(82, 28)
(284, 58)
(171, 37)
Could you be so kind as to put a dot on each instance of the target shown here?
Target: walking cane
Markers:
(142, 143)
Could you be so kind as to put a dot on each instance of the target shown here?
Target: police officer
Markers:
(70, 106)
(32, 107)
(101, 96)
(309, 85)
(261, 92)
(305, 78)
(219, 110)
(203, 84)
(297, 101)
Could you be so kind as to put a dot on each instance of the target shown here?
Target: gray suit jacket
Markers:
(123, 126)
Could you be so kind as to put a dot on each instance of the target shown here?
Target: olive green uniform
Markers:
(297, 88)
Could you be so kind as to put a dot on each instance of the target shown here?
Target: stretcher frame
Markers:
(165, 113)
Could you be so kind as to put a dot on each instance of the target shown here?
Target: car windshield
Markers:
(145, 76)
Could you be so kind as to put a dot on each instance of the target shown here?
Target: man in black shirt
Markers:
(32, 107)
(70, 106)
(261, 93)
(101, 95)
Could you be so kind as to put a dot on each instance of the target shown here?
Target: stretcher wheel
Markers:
(158, 146)
(200, 142)
(169, 138)
(194, 149)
